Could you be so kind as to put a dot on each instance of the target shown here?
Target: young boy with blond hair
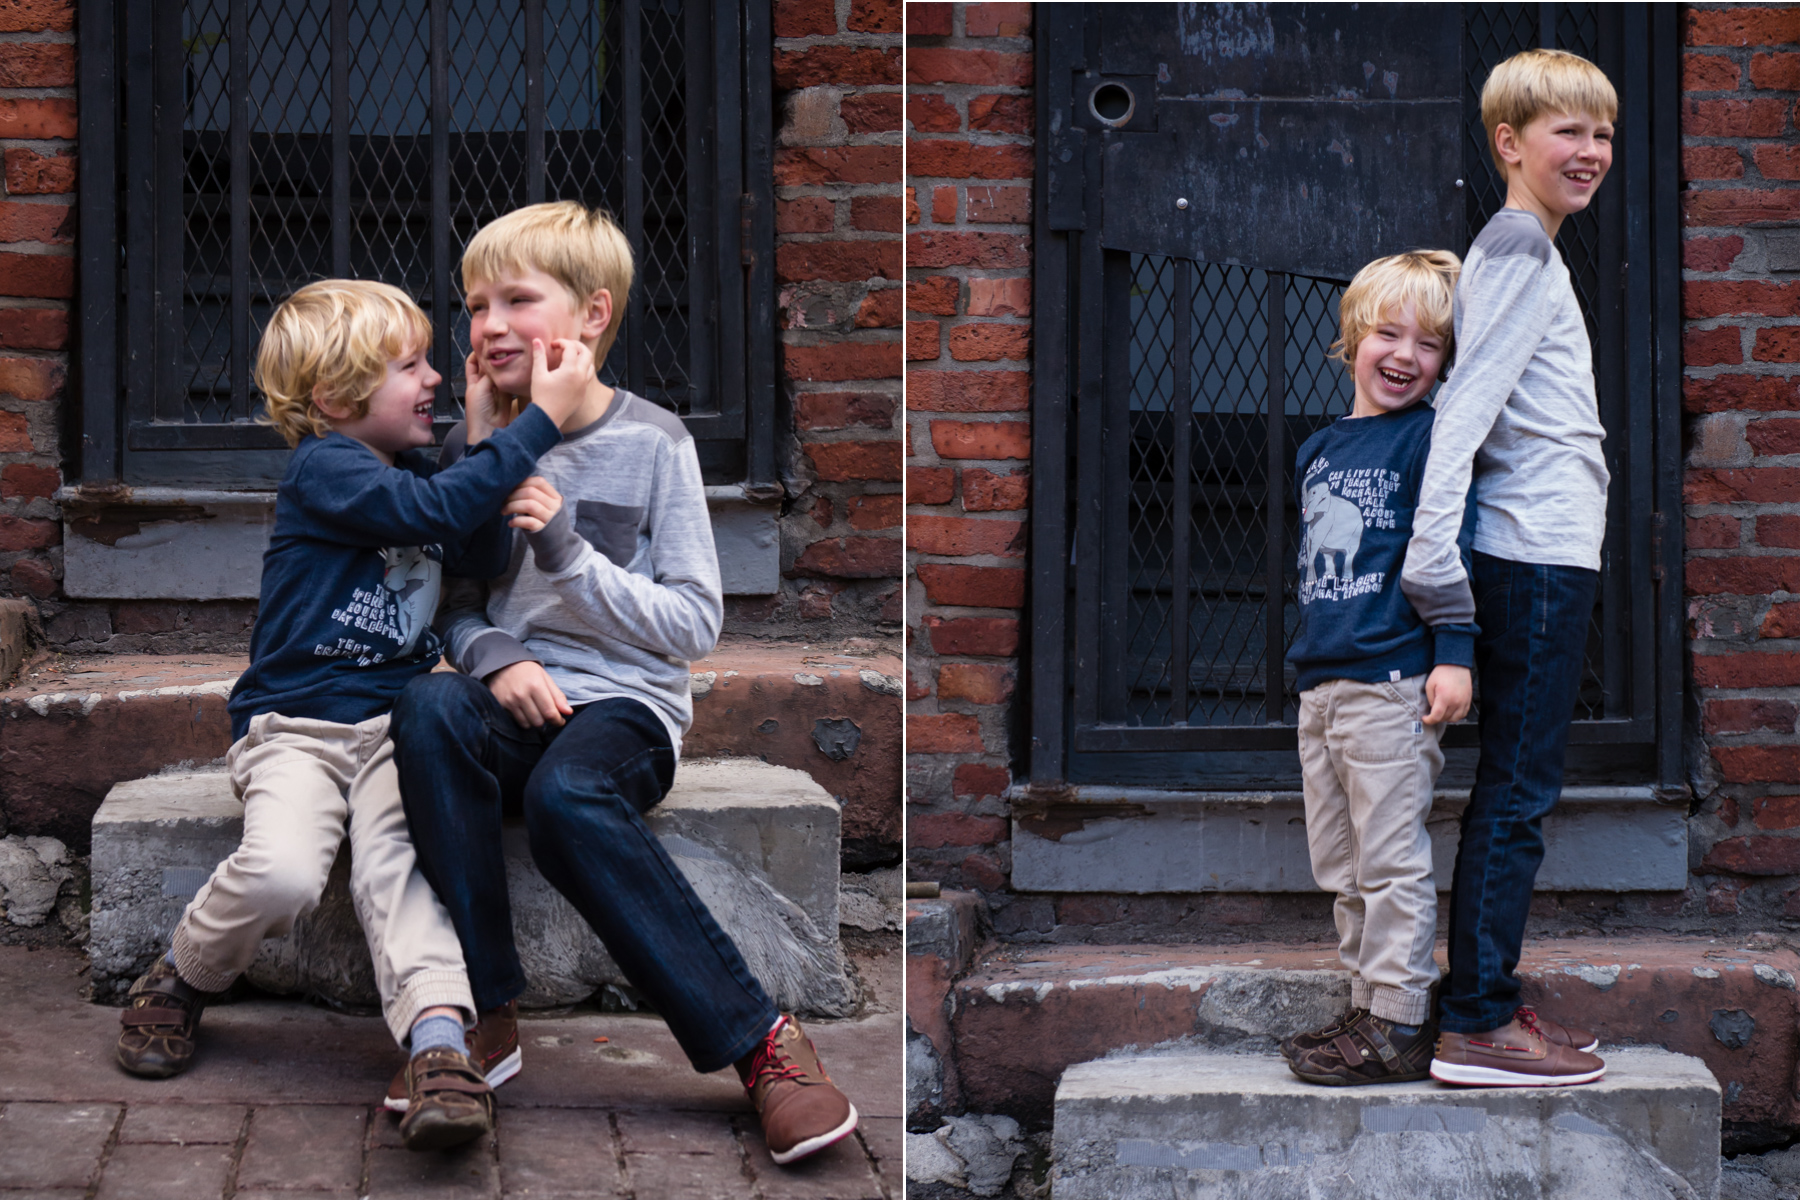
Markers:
(365, 525)
(1519, 418)
(1377, 684)
(573, 692)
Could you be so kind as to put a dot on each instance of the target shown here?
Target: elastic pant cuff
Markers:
(193, 972)
(1402, 1008)
(428, 989)
(1360, 992)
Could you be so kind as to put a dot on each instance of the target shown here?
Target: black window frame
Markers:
(131, 213)
(1079, 732)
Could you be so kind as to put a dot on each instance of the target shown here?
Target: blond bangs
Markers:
(333, 340)
(1424, 280)
(581, 248)
(1534, 82)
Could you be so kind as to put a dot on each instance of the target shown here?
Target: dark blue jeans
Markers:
(1534, 624)
(583, 789)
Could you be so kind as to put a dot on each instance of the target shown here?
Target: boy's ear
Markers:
(597, 316)
(333, 409)
(1506, 144)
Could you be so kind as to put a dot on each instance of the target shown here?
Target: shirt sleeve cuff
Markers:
(491, 651)
(556, 546)
(1454, 647)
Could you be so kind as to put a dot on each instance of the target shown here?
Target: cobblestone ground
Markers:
(283, 1102)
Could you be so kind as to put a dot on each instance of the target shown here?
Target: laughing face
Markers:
(1556, 163)
(1396, 363)
(505, 314)
(399, 416)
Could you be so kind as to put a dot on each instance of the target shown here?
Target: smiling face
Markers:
(506, 313)
(1555, 163)
(399, 415)
(1396, 363)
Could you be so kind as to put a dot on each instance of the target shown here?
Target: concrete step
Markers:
(71, 728)
(1203, 1125)
(1005, 1029)
(758, 842)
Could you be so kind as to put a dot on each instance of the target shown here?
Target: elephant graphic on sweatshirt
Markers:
(1334, 526)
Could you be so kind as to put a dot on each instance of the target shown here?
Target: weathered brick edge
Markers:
(837, 263)
(1741, 356)
(37, 280)
(969, 112)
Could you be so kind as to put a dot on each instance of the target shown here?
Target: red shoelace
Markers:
(772, 1061)
(1528, 1020)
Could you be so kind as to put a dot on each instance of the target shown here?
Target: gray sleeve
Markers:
(1503, 322)
(556, 546)
(473, 646)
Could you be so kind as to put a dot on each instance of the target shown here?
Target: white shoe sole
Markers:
(813, 1145)
(1590, 1047)
(503, 1070)
(1467, 1075)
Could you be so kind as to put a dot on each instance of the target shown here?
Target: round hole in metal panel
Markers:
(1112, 104)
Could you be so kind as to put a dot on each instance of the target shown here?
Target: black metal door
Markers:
(1212, 176)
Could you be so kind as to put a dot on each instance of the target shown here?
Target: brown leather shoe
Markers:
(448, 1101)
(1300, 1043)
(802, 1111)
(1366, 1050)
(1553, 1031)
(161, 1020)
(493, 1048)
(1513, 1055)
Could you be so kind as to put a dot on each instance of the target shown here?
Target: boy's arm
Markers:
(1502, 325)
(387, 507)
(1453, 640)
(676, 612)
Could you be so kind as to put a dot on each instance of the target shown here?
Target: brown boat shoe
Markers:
(161, 1022)
(1514, 1055)
(1554, 1031)
(802, 1111)
(449, 1103)
(1367, 1050)
(493, 1048)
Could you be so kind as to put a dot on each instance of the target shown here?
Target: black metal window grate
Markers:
(281, 141)
(1172, 395)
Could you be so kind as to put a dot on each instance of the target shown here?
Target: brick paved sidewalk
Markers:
(283, 1104)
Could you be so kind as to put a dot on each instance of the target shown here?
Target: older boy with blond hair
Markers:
(364, 527)
(573, 693)
(1520, 419)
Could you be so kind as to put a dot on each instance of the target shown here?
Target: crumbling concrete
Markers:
(1219, 1126)
(758, 842)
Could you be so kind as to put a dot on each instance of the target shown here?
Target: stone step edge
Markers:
(1000, 1033)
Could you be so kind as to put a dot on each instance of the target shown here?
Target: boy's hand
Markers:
(485, 407)
(1448, 689)
(560, 392)
(532, 504)
(525, 690)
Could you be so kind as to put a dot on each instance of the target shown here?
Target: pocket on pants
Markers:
(1388, 723)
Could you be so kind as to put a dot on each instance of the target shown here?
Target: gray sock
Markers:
(428, 1033)
(1407, 1030)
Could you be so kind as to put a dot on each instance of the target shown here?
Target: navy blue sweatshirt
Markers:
(1357, 482)
(351, 577)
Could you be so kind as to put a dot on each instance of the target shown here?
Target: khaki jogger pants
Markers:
(302, 783)
(1369, 764)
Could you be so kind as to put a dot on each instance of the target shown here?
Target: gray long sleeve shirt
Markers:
(1520, 416)
(620, 591)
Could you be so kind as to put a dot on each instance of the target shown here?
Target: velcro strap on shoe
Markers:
(445, 1081)
(1348, 1050)
(1378, 1042)
(151, 1014)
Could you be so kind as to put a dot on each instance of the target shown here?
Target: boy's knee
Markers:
(556, 796)
(288, 891)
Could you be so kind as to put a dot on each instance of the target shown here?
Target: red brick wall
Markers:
(37, 279)
(837, 260)
(969, 111)
(1741, 355)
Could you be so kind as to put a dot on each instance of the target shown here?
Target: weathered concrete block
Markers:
(758, 842)
(1206, 1125)
(1137, 840)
